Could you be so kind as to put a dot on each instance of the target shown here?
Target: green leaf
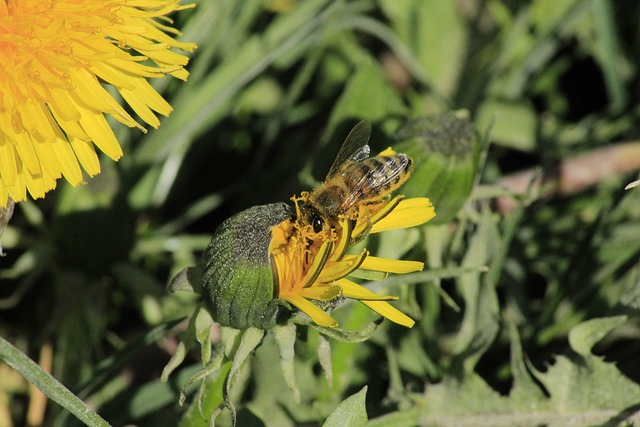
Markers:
(367, 95)
(480, 322)
(582, 391)
(202, 324)
(514, 123)
(548, 15)
(186, 280)
(608, 47)
(584, 336)
(525, 390)
(406, 418)
(136, 403)
(261, 97)
(210, 397)
(176, 360)
(251, 339)
(285, 336)
(350, 413)
(590, 389)
(324, 357)
(345, 336)
(203, 103)
(204, 374)
(271, 398)
(425, 276)
(432, 30)
(469, 402)
(104, 369)
(186, 344)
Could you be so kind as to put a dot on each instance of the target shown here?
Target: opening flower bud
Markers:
(239, 284)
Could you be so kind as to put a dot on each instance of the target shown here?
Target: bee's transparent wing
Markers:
(354, 148)
(376, 181)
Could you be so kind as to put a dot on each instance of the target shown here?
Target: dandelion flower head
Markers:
(56, 56)
(312, 267)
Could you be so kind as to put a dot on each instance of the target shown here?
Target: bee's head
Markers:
(309, 217)
(312, 217)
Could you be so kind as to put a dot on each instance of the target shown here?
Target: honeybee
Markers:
(354, 179)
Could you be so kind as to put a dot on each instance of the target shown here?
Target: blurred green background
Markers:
(546, 334)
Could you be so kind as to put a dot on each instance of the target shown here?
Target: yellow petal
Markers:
(321, 293)
(343, 242)
(143, 99)
(97, 127)
(61, 106)
(68, 162)
(27, 152)
(89, 91)
(38, 185)
(8, 162)
(152, 98)
(140, 107)
(180, 73)
(408, 213)
(53, 103)
(34, 119)
(48, 158)
(354, 291)
(86, 154)
(112, 75)
(342, 268)
(73, 130)
(315, 313)
(365, 225)
(130, 66)
(391, 265)
(18, 191)
(316, 266)
(4, 195)
(388, 311)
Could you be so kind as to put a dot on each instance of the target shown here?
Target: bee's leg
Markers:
(365, 212)
(375, 205)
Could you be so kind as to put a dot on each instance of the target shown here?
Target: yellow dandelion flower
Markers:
(55, 57)
(312, 268)
(268, 261)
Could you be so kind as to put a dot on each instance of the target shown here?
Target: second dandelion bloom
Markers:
(56, 56)
(312, 274)
(268, 261)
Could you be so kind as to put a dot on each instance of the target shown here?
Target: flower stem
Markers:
(51, 387)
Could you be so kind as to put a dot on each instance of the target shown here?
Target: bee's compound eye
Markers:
(314, 218)
(317, 223)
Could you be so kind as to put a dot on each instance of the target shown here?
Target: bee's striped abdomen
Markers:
(378, 175)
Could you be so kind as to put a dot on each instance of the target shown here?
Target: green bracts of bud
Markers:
(444, 148)
(238, 283)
